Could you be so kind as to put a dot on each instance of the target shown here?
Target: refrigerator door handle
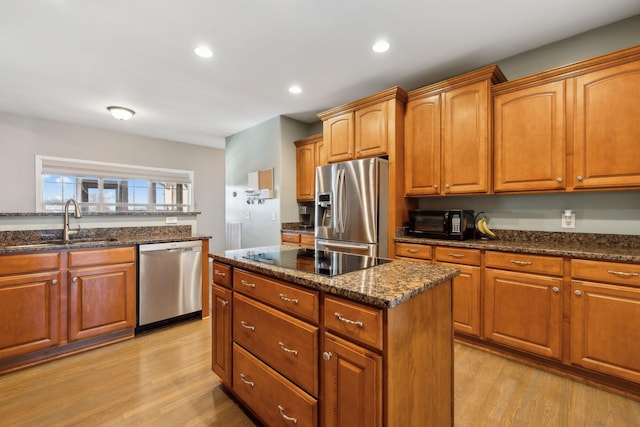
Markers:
(343, 245)
(343, 200)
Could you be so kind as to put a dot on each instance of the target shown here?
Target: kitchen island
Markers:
(370, 347)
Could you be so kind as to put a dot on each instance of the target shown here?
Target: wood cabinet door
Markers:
(465, 139)
(321, 154)
(605, 332)
(529, 139)
(606, 131)
(523, 311)
(466, 299)
(102, 299)
(29, 313)
(371, 130)
(221, 334)
(422, 146)
(305, 172)
(338, 134)
(352, 385)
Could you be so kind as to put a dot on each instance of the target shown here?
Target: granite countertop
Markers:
(596, 247)
(385, 285)
(296, 227)
(19, 242)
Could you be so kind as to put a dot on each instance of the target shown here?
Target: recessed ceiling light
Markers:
(121, 113)
(381, 46)
(295, 89)
(203, 52)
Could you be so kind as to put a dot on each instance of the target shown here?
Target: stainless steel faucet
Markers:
(66, 232)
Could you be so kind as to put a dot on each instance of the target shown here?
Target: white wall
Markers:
(264, 146)
(21, 138)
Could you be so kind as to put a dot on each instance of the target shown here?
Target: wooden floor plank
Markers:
(164, 378)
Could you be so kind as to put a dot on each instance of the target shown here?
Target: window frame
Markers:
(104, 170)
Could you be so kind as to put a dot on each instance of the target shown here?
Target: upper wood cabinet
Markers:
(306, 162)
(529, 138)
(570, 128)
(364, 128)
(606, 132)
(448, 135)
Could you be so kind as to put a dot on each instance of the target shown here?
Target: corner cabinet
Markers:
(572, 128)
(448, 135)
(370, 127)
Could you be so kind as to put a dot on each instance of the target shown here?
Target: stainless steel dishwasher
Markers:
(169, 283)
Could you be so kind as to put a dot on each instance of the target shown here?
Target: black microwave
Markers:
(454, 224)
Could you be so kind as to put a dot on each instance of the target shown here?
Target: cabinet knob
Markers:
(555, 289)
(559, 179)
(327, 355)
(577, 292)
(435, 186)
(224, 302)
(446, 186)
(579, 178)
(74, 280)
(54, 282)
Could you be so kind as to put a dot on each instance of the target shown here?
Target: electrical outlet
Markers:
(171, 220)
(273, 216)
(248, 215)
(568, 219)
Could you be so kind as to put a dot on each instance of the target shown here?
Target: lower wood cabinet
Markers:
(523, 309)
(605, 329)
(29, 308)
(352, 365)
(54, 303)
(352, 394)
(102, 291)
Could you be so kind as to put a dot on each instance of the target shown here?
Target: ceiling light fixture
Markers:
(203, 52)
(295, 89)
(381, 46)
(121, 113)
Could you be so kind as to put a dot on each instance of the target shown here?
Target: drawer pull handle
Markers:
(622, 273)
(247, 284)
(244, 379)
(219, 273)
(247, 326)
(287, 299)
(285, 416)
(350, 322)
(413, 251)
(224, 302)
(555, 289)
(456, 255)
(288, 350)
(516, 262)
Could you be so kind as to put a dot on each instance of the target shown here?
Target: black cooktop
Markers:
(326, 263)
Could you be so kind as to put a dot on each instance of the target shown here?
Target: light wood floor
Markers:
(164, 379)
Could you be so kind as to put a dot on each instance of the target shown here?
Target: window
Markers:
(111, 187)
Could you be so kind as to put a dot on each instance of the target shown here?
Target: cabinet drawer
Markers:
(307, 240)
(413, 250)
(85, 257)
(602, 271)
(29, 263)
(222, 274)
(354, 321)
(293, 300)
(285, 343)
(458, 255)
(274, 399)
(291, 238)
(547, 265)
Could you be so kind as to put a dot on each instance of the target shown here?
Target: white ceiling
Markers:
(67, 60)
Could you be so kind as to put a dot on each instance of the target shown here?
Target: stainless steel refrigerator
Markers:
(352, 208)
